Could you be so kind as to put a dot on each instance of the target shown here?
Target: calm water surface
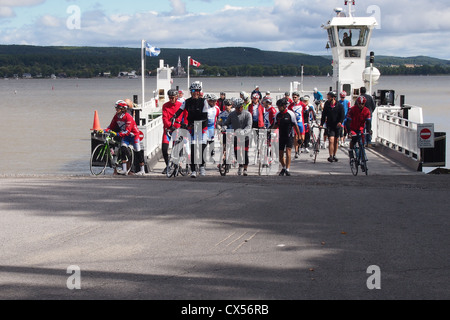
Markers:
(47, 123)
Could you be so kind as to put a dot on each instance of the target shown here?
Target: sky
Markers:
(406, 28)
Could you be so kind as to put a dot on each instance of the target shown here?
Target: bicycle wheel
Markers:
(171, 169)
(354, 166)
(316, 148)
(99, 159)
(223, 168)
(131, 159)
(364, 162)
(270, 163)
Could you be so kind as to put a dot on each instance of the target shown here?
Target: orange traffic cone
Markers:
(96, 126)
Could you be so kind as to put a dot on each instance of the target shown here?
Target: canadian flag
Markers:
(195, 63)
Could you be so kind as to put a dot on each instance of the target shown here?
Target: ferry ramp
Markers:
(379, 164)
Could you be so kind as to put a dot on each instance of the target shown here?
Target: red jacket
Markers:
(168, 111)
(260, 116)
(124, 126)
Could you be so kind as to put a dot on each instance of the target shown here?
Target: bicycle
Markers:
(266, 160)
(224, 167)
(315, 141)
(178, 158)
(361, 157)
(105, 155)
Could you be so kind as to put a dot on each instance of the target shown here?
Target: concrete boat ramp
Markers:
(320, 234)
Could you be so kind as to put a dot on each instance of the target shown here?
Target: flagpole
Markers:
(189, 73)
(143, 72)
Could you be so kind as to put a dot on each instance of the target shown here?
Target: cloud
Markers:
(6, 12)
(6, 6)
(178, 7)
(285, 25)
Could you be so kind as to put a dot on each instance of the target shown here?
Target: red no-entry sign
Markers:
(425, 135)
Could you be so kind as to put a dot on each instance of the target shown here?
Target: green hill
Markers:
(230, 61)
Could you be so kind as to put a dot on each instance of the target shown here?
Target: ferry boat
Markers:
(398, 128)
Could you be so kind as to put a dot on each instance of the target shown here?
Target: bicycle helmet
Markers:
(343, 94)
(172, 93)
(121, 104)
(196, 86)
(238, 103)
(211, 97)
(296, 93)
(287, 93)
(227, 102)
(306, 98)
(332, 94)
(245, 95)
(361, 100)
(268, 99)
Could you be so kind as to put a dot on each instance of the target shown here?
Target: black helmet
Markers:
(283, 103)
(332, 94)
(172, 93)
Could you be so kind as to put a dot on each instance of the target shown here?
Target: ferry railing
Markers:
(392, 130)
(153, 129)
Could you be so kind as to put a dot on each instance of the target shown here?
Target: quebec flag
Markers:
(151, 51)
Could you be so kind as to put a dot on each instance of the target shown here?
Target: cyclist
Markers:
(297, 107)
(221, 100)
(270, 112)
(318, 98)
(257, 111)
(333, 115)
(309, 115)
(124, 126)
(241, 121)
(223, 116)
(197, 111)
(213, 114)
(181, 96)
(286, 123)
(358, 118)
(168, 111)
(287, 95)
(347, 106)
(245, 96)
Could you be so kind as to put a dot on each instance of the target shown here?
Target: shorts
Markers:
(132, 140)
(211, 134)
(334, 132)
(286, 143)
(203, 139)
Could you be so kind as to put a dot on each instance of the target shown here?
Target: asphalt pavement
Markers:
(305, 237)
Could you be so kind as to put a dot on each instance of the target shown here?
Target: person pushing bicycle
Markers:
(124, 126)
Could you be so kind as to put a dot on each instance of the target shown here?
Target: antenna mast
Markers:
(350, 3)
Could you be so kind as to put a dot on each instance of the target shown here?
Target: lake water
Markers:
(47, 123)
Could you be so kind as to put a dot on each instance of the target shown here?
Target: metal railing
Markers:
(392, 130)
(153, 129)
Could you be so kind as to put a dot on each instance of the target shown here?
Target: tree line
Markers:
(89, 62)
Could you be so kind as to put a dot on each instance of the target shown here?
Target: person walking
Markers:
(286, 123)
(241, 122)
(333, 114)
(168, 111)
(197, 112)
